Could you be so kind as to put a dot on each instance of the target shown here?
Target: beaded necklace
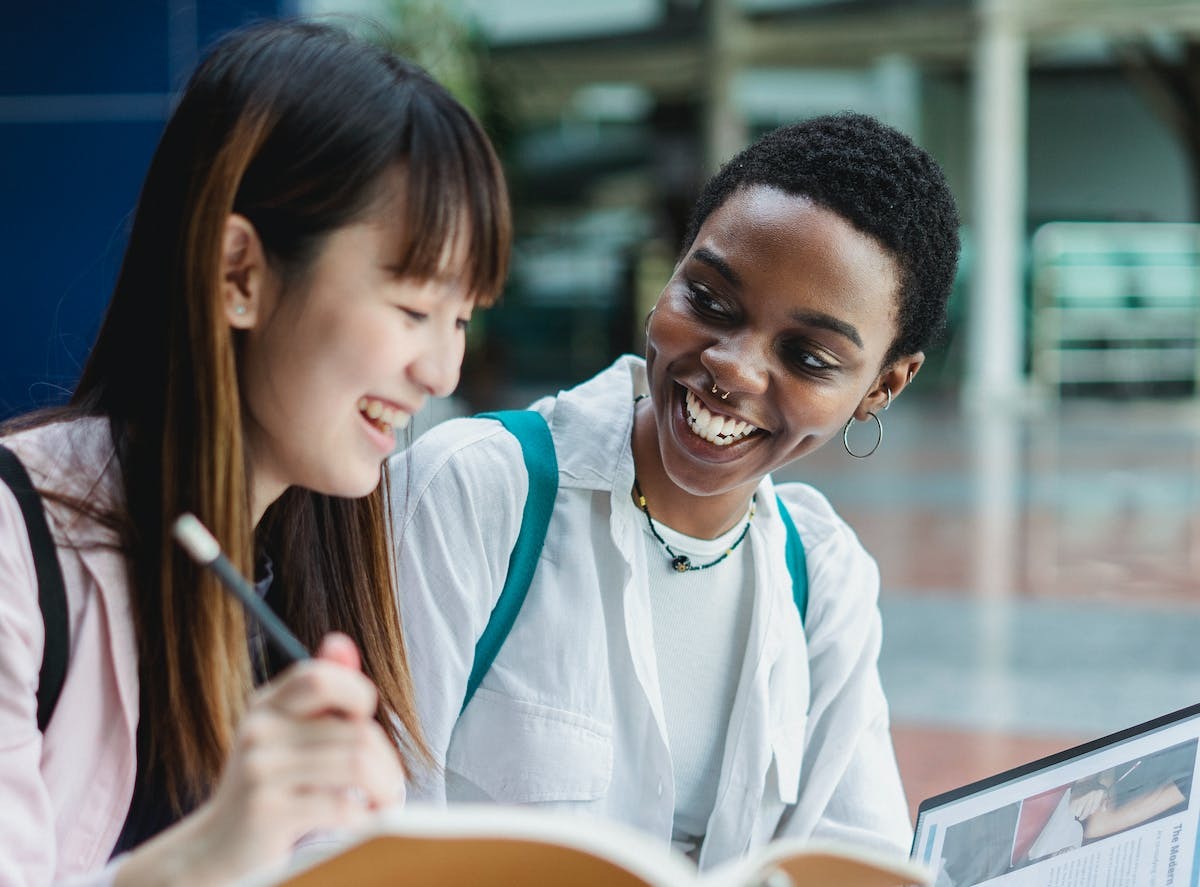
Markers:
(681, 562)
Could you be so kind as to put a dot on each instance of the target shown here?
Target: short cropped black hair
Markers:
(877, 179)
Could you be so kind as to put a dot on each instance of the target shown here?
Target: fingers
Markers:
(313, 730)
(320, 687)
(337, 647)
(371, 776)
(323, 756)
(308, 755)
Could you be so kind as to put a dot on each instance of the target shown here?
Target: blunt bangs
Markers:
(343, 117)
(455, 203)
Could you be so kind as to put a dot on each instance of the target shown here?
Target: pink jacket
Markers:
(64, 795)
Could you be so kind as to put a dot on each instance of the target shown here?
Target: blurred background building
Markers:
(1034, 507)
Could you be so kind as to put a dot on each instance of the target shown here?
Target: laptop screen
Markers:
(1116, 811)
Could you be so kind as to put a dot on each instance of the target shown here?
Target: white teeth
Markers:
(720, 430)
(386, 418)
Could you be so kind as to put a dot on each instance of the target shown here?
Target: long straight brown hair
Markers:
(297, 127)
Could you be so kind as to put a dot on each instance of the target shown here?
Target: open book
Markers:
(490, 846)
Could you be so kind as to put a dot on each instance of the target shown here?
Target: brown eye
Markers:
(807, 358)
(704, 303)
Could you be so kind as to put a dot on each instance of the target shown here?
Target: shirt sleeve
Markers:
(27, 845)
(457, 497)
(850, 789)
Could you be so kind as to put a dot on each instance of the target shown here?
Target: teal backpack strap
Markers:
(797, 565)
(537, 449)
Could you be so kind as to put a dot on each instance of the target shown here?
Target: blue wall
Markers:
(85, 89)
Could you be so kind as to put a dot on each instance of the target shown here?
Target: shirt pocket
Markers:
(521, 752)
(787, 749)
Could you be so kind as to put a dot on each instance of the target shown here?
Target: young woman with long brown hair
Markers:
(317, 224)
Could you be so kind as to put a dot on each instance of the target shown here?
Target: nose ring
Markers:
(724, 396)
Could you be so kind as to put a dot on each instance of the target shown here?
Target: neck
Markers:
(264, 484)
(699, 516)
(264, 490)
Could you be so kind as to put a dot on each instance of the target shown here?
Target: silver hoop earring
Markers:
(887, 405)
(846, 437)
(724, 396)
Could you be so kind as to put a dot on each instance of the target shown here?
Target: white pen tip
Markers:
(196, 539)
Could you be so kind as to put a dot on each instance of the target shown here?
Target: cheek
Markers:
(816, 417)
(671, 329)
(316, 371)
(352, 343)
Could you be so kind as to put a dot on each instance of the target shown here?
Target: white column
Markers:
(898, 93)
(996, 344)
(726, 128)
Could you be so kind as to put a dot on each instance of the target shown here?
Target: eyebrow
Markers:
(708, 257)
(809, 318)
(825, 321)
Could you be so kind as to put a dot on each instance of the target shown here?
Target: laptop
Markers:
(1114, 811)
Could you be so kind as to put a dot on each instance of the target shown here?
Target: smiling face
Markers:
(331, 364)
(789, 311)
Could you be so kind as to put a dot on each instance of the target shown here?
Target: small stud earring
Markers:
(239, 309)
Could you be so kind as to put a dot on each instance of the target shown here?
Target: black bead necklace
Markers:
(681, 562)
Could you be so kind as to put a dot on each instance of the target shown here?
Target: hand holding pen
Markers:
(307, 755)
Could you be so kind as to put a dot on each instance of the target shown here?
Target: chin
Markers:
(362, 483)
(706, 480)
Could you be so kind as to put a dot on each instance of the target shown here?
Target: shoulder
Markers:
(68, 457)
(474, 462)
(73, 461)
(843, 576)
(459, 445)
(819, 525)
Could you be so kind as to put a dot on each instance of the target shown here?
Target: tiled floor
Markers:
(1039, 575)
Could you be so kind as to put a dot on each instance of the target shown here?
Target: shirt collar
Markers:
(593, 427)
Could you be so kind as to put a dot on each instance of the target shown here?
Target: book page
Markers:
(818, 864)
(389, 860)
(492, 846)
(497, 846)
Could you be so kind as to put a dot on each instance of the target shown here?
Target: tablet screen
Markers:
(1116, 811)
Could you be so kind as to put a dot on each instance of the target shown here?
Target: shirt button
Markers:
(659, 788)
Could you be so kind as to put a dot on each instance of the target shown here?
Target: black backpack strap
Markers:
(52, 592)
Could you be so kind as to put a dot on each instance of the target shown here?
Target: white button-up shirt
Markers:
(570, 715)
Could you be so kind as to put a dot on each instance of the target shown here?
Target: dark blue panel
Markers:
(216, 17)
(74, 189)
(69, 186)
(84, 47)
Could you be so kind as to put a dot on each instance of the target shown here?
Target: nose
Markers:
(437, 366)
(738, 364)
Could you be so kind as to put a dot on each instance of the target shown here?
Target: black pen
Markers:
(206, 551)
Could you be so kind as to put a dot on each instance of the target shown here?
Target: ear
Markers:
(890, 383)
(243, 273)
